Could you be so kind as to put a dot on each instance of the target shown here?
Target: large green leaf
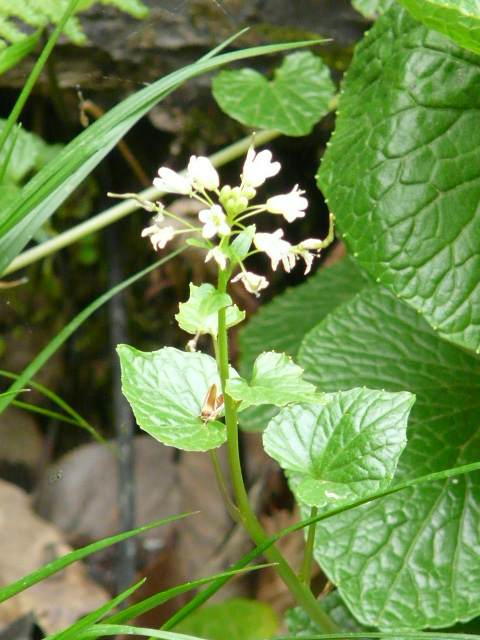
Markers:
(410, 559)
(166, 390)
(407, 200)
(342, 451)
(281, 324)
(50, 187)
(457, 19)
(292, 103)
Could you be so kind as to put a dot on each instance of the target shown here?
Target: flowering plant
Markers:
(191, 401)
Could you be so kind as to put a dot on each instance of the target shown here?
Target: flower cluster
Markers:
(226, 210)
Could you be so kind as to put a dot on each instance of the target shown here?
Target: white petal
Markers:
(172, 182)
(258, 167)
(202, 172)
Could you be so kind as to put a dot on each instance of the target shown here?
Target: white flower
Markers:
(159, 236)
(252, 282)
(202, 173)
(219, 256)
(290, 205)
(172, 182)
(276, 249)
(258, 167)
(214, 221)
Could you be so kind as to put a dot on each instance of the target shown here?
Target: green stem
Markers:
(301, 592)
(231, 508)
(304, 575)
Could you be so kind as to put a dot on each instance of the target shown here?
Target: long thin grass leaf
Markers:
(75, 418)
(118, 629)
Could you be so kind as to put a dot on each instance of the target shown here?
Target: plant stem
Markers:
(305, 571)
(231, 508)
(301, 592)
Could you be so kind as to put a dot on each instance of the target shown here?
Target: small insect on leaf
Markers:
(212, 405)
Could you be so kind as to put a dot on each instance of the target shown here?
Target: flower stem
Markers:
(304, 574)
(248, 518)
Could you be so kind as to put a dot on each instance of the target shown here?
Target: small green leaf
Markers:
(275, 380)
(166, 390)
(237, 619)
(199, 314)
(345, 450)
(459, 20)
(242, 243)
(292, 103)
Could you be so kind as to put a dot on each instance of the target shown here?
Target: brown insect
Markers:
(212, 405)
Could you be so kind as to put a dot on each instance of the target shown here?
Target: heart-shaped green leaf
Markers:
(345, 450)
(406, 202)
(275, 380)
(456, 19)
(200, 313)
(425, 539)
(292, 103)
(166, 390)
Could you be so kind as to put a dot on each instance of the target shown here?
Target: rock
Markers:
(27, 543)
